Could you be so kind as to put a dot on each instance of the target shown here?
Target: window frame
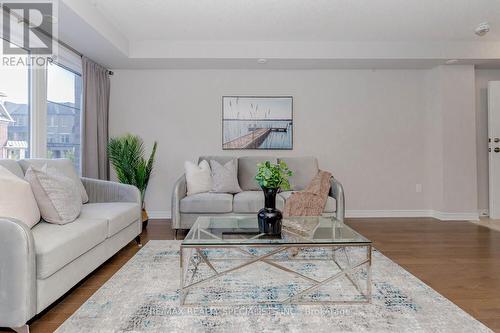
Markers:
(37, 99)
(39, 115)
(29, 68)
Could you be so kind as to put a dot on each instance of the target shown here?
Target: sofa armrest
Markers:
(179, 192)
(106, 191)
(337, 192)
(17, 273)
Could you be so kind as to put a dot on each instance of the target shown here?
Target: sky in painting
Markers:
(257, 108)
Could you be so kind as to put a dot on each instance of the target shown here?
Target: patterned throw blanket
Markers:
(311, 201)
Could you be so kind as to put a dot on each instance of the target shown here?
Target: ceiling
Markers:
(289, 33)
(302, 20)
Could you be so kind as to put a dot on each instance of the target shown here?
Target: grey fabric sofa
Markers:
(39, 265)
(186, 209)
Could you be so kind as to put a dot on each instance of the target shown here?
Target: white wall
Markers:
(482, 78)
(369, 127)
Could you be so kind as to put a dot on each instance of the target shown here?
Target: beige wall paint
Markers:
(451, 144)
(369, 127)
(482, 78)
(433, 129)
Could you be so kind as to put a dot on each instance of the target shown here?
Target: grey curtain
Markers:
(96, 88)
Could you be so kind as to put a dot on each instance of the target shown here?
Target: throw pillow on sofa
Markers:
(58, 196)
(225, 177)
(17, 200)
(63, 165)
(198, 177)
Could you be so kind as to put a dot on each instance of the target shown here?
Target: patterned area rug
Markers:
(144, 297)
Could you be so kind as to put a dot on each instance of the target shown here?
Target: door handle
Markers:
(496, 150)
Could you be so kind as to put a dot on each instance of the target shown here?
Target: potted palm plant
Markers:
(126, 155)
(271, 178)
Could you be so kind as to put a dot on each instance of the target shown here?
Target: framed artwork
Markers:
(257, 122)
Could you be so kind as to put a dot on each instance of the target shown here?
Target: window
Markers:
(14, 111)
(64, 95)
(52, 92)
(65, 138)
(52, 121)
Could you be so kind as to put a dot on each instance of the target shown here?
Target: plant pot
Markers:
(269, 217)
(145, 218)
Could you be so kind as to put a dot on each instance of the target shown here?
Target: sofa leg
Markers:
(22, 329)
(138, 241)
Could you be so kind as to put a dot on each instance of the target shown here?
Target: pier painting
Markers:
(257, 122)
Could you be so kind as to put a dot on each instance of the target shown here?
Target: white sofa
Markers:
(39, 265)
(186, 209)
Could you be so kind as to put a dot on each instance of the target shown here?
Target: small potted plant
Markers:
(126, 154)
(272, 178)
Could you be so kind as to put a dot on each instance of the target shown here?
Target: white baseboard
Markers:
(456, 216)
(443, 216)
(159, 214)
(483, 213)
(388, 213)
(165, 214)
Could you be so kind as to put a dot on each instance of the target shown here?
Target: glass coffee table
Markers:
(215, 241)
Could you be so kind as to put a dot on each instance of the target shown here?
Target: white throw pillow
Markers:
(198, 177)
(16, 199)
(58, 196)
(225, 177)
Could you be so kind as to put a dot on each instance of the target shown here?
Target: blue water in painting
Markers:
(234, 129)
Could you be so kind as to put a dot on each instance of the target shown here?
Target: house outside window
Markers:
(14, 111)
(64, 96)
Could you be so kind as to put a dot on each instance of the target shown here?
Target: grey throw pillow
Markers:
(57, 196)
(63, 165)
(225, 177)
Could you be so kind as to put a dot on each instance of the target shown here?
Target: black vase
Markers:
(269, 217)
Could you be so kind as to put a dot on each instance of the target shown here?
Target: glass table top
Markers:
(234, 230)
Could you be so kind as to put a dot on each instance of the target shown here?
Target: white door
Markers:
(494, 147)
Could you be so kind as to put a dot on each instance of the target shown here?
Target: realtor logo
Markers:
(29, 25)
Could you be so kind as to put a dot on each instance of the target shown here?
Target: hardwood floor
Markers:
(460, 260)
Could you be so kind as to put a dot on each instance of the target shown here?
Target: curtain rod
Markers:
(69, 47)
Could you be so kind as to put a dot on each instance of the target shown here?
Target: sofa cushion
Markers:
(58, 245)
(304, 169)
(118, 215)
(13, 167)
(247, 169)
(65, 166)
(252, 202)
(330, 206)
(207, 203)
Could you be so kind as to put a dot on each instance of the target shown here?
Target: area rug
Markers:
(143, 296)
